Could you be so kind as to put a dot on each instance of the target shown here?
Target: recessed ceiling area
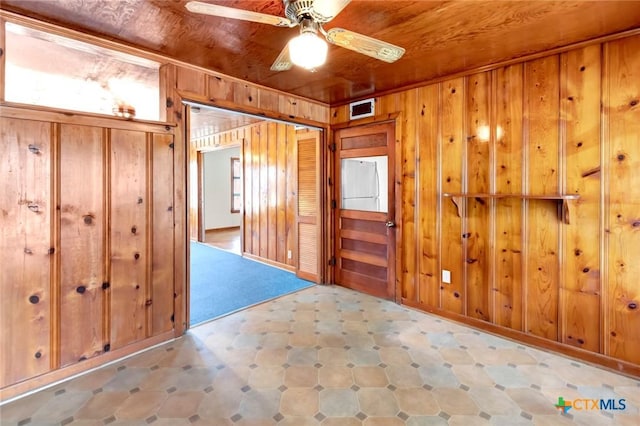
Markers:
(441, 38)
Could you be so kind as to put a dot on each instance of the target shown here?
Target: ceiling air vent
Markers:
(362, 109)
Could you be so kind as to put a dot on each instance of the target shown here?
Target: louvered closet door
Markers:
(365, 210)
(308, 218)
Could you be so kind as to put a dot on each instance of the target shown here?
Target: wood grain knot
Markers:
(636, 224)
(88, 220)
(27, 251)
(582, 68)
(169, 102)
(34, 299)
(614, 334)
(581, 341)
(81, 289)
(579, 144)
(105, 285)
(633, 102)
(134, 229)
(34, 149)
(467, 235)
(570, 98)
(456, 295)
(33, 207)
(107, 347)
(148, 302)
(140, 200)
(38, 355)
(632, 305)
(585, 270)
(136, 256)
(577, 252)
(620, 157)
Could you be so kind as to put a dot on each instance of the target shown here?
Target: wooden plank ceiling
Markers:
(441, 37)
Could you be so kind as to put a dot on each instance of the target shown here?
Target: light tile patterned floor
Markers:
(333, 357)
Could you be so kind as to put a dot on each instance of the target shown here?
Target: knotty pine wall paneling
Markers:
(567, 123)
(581, 287)
(478, 230)
(129, 252)
(162, 239)
(428, 154)
(453, 233)
(541, 115)
(621, 89)
(26, 281)
(508, 284)
(89, 209)
(83, 242)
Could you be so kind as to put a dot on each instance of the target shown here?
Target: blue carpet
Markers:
(223, 282)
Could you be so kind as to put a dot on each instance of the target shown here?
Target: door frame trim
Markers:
(396, 118)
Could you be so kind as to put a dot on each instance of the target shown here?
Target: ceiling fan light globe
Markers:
(308, 50)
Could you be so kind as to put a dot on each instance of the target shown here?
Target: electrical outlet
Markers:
(446, 276)
(289, 255)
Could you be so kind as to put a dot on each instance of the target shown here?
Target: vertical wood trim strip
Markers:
(464, 181)
(562, 188)
(525, 203)
(149, 206)
(106, 238)
(439, 198)
(604, 200)
(493, 129)
(55, 342)
(3, 46)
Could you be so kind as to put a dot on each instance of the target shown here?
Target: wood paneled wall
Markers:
(87, 245)
(563, 124)
(270, 192)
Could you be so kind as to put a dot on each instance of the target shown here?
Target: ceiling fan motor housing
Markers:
(297, 10)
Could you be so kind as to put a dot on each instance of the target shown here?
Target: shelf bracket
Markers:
(457, 201)
(566, 217)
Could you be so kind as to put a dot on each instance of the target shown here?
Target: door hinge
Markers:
(332, 147)
(332, 261)
(333, 204)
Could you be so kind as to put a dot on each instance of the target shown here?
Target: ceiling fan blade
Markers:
(283, 61)
(329, 9)
(366, 45)
(233, 13)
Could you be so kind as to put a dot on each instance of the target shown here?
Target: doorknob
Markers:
(390, 224)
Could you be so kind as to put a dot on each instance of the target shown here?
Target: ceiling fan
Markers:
(307, 50)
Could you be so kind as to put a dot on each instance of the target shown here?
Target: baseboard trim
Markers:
(600, 360)
(52, 378)
(278, 265)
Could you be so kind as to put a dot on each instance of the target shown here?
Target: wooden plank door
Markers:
(365, 209)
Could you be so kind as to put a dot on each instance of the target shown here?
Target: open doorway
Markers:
(222, 198)
(266, 174)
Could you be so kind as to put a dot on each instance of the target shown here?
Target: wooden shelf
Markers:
(561, 199)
